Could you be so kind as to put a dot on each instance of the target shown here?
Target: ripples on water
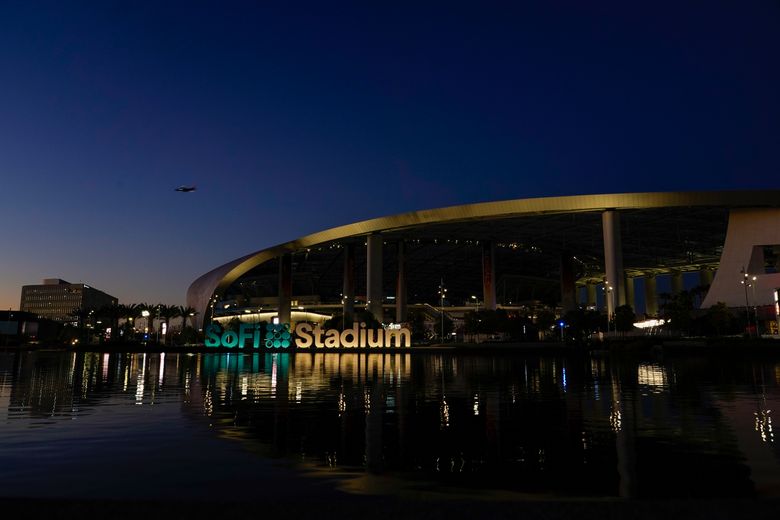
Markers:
(112, 425)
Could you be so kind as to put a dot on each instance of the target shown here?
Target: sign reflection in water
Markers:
(572, 426)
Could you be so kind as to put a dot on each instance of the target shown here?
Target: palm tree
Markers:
(166, 312)
(130, 313)
(152, 310)
(82, 315)
(184, 312)
(111, 313)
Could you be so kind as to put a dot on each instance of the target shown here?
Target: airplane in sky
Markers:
(185, 189)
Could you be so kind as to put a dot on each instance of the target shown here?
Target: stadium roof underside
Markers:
(660, 232)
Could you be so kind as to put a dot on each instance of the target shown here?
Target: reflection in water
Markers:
(141, 382)
(764, 425)
(532, 424)
(652, 376)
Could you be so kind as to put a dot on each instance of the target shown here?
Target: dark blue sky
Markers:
(297, 118)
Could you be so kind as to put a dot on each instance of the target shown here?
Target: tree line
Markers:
(117, 323)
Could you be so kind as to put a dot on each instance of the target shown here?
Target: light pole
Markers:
(561, 324)
(145, 314)
(610, 303)
(745, 277)
(442, 293)
(755, 307)
(343, 314)
(777, 309)
(157, 315)
(91, 325)
(184, 325)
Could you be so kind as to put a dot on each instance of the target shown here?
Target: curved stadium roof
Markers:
(660, 231)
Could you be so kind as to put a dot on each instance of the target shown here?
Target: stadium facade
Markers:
(602, 251)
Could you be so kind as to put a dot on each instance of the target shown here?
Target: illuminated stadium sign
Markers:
(357, 337)
(306, 336)
(274, 336)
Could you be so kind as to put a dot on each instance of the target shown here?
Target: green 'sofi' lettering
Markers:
(216, 337)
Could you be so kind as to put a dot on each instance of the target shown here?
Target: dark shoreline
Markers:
(612, 346)
(365, 506)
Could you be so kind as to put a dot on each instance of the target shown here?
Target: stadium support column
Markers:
(489, 275)
(374, 276)
(630, 298)
(677, 282)
(590, 293)
(285, 287)
(568, 286)
(613, 260)
(348, 294)
(651, 295)
(705, 277)
(400, 285)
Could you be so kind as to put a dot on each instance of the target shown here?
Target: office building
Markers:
(56, 299)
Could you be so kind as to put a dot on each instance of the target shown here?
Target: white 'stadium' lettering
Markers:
(358, 336)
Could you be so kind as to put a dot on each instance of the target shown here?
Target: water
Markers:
(119, 425)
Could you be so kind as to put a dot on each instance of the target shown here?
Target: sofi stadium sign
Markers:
(306, 336)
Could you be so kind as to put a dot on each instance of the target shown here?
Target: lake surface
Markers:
(239, 426)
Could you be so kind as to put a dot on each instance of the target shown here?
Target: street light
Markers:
(755, 307)
(145, 314)
(777, 309)
(442, 293)
(610, 303)
(561, 324)
(156, 315)
(343, 313)
(745, 278)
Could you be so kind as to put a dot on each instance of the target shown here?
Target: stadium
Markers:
(558, 253)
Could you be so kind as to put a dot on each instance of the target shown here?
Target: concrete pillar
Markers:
(568, 286)
(400, 285)
(651, 295)
(630, 298)
(705, 277)
(489, 275)
(348, 291)
(613, 260)
(374, 276)
(677, 282)
(590, 289)
(285, 288)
